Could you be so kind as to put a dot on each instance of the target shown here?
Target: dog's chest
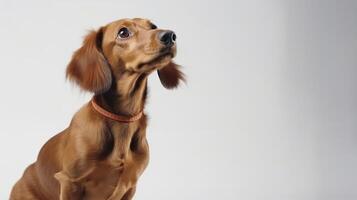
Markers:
(129, 141)
(124, 164)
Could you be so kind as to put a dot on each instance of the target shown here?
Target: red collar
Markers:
(115, 117)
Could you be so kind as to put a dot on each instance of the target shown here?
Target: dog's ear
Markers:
(88, 67)
(170, 75)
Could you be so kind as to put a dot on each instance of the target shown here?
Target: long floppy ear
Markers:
(88, 67)
(170, 75)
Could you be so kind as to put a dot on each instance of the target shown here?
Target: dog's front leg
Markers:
(69, 189)
(129, 194)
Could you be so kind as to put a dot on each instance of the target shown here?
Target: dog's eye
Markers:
(124, 33)
(153, 26)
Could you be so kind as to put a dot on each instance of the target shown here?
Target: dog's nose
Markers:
(167, 38)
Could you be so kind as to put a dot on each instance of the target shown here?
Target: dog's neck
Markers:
(127, 95)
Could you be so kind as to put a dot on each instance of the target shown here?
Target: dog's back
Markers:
(38, 181)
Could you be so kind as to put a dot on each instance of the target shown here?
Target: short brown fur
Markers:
(97, 158)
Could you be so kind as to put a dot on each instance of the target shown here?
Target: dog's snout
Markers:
(167, 38)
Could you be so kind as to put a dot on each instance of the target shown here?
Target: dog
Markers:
(104, 150)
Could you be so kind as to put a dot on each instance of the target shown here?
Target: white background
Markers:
(269, 111)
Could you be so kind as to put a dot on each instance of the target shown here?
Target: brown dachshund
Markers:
(104, 150)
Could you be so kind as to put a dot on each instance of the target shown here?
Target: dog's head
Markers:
(131, 45)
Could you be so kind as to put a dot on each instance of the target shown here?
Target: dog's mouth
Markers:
(162, 59)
